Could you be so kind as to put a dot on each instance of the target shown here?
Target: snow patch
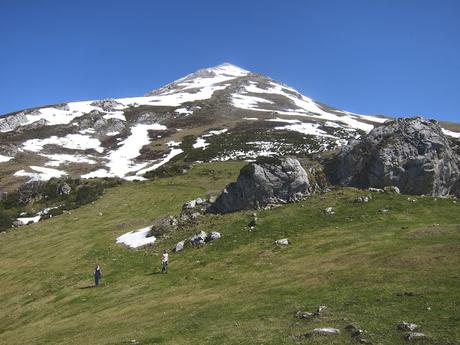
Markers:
(58, 159)
(137, 238)
(120, 161)
(171, 155)
(5, 158)
(41, 174)
(451, 133)
(70, 141)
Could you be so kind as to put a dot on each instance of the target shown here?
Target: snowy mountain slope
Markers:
(217, 113)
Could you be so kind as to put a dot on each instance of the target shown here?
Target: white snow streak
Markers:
(137, 238)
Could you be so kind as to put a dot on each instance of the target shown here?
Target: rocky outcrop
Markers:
(108, 104)
(267, 181)
(411, 154)
(9, 123)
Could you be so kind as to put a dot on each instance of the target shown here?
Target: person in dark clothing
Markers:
(97, 274)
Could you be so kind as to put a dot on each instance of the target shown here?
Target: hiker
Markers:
(97, 274)
(164, 261)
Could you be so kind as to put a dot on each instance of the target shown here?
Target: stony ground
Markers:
(371, 264)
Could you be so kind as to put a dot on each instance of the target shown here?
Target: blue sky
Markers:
(393, 57)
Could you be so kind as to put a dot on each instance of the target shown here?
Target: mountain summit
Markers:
(218, 113)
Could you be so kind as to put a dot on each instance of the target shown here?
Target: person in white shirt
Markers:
(164, 261)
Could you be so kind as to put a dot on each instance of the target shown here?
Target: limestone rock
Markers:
(179, 246)
(282, 242)
(267, 181)
(413, 336)
(412, 154)
(324, 331)
(391, 190)
(213, 235)
(407, 326)
(198, 239)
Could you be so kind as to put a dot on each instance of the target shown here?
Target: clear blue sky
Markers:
(393, 57)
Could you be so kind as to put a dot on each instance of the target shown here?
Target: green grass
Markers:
(240, 289)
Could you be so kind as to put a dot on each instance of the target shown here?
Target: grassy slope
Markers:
(240, 289)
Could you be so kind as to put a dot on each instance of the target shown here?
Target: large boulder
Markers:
(266, 181)
(412, 154)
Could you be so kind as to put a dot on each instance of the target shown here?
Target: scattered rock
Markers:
(323, 331)
(189, 205)
(375, 190)
(163, 226)
(308, 315)
(413, 336)
(213, 235)
(305, 315)
(354, 331)
(264, 182)
(17, 223)
(384, 210)
(328, 211)
(362, 199)
(64, 189)
(198, 239)
(108, 104)
(179, 246)
(282, 242)
(199, 201)
(391, 190)
(407, 326)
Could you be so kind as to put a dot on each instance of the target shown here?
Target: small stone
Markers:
(407, 326)
(413, 336)
(325, 331)
(198, 239)
(304, 315)
(391, 190)
(375, 190)
(213, 235)
(328, 211)
(282, 242)
(179, 246)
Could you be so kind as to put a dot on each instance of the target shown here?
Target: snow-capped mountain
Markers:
(218, 113)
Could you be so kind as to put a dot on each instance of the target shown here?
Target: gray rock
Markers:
(213, 235)
(64, 189)
(362, 199)
(407, 326)
(199, 201)
(412, 154)
(325, 331)
(282, 242)
(11, 122)
(413, 336)
(391, 190)
(198, 239)
(17, 223)
(328, 211)
(108, 104)
(268, 181)
(305, 315)
(163, 226)
(375, 190)
(179, 246)
(189, 205)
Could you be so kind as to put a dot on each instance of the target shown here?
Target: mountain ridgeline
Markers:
(218, 114)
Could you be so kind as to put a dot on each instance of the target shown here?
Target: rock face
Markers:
(412, 154)
(268, 181)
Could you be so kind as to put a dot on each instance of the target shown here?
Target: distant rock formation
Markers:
(412, 154)
(267, 181)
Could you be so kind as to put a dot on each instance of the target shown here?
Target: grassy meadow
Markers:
(371, 268)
